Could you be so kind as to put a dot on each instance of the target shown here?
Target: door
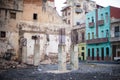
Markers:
(92, 53)
(97, 53)
(83, 56)
(118, 53)
(102, 53)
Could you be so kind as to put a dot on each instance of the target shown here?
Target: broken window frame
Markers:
(12, 15)
(35, 16)
(2, 34)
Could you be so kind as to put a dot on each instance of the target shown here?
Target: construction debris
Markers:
(10, 64)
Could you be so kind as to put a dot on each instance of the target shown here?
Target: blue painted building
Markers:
(98, 34)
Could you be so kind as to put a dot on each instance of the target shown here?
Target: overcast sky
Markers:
(116, 3)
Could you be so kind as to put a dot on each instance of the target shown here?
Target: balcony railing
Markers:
(101, 22)
(91, 24)
(114, 39)
(98, 40)
(117, 34)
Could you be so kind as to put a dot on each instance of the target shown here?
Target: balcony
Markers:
(98, 40)
(101, 22)
(114, 39)
(91, 24)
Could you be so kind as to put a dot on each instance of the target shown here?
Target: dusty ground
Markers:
(87, 71)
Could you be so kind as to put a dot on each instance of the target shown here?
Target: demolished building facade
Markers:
(30, 28)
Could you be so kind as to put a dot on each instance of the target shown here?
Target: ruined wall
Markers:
(40, 20)
(11, 4)
(10, 14)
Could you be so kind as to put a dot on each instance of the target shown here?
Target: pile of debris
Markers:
(52, 58)
(7, 61)
(5, 64)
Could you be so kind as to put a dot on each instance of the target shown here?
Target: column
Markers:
(24, 54)
(61, 57)
(74, 57)
(36, 60)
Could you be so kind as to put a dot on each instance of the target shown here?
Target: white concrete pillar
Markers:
(24, 54)
(74, 57)
(36, 60)
(61, 57)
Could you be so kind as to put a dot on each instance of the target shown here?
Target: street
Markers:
(87, 71)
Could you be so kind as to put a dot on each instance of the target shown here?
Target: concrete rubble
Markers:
(52, 58)
(10, 64)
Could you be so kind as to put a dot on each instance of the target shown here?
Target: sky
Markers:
(59, 3)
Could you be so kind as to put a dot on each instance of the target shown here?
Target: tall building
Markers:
(74, 14)
(74, 11)
(98, 24)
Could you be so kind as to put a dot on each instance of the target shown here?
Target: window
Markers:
(65, 21)
(101, 16)
(68, 21)
(2, 34)
(107, 34)
(107, 51)
(69, 13)
(92, 19)
(106, 17)
(35, 16)
(88, 36)
(117, 33)
(88, 52)
(102, 34)
(12, 15)
(47, 37)
(77, 23)
(82, 48)
(88, 18)
(83, 34)
(92, 35)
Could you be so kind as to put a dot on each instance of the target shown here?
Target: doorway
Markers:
(92, 53)
(102, 53)
(97, 53)
(83, 56)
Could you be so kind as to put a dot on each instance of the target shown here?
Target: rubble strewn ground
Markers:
(87, 71)
(52, 58)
